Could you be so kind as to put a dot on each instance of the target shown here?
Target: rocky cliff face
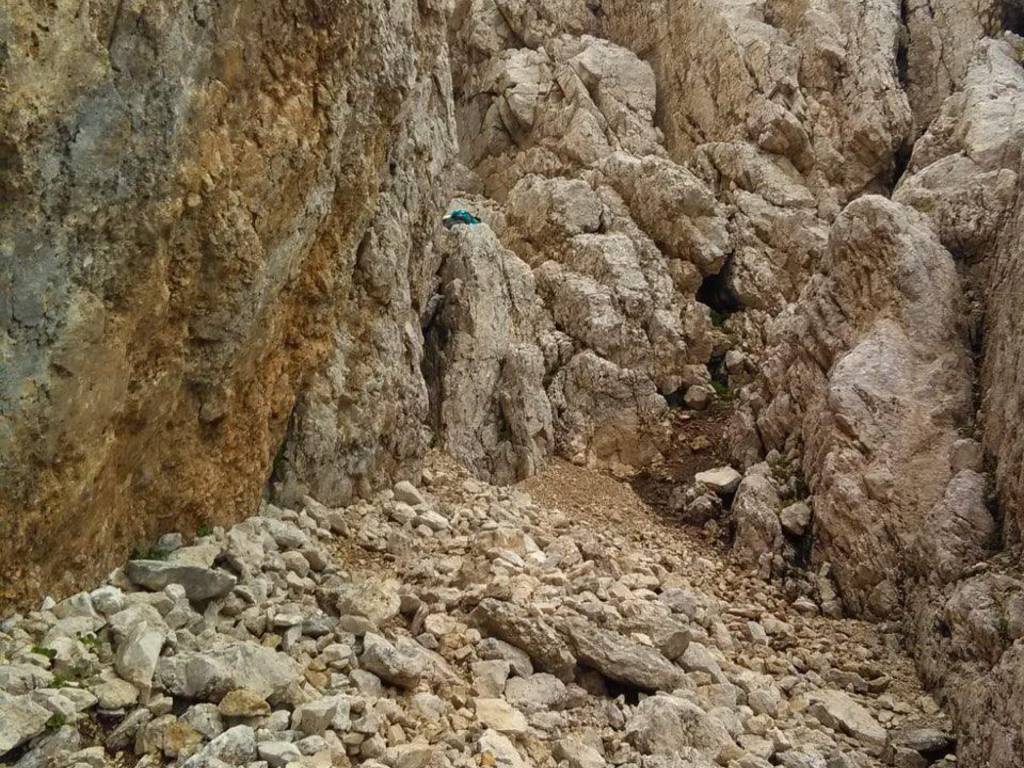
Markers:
(221, 275)
(197, 200)
(890, 381)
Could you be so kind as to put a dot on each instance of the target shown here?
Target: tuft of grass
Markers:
(41, 651)
(74, 677)
(782, 469)
(149, 553)
(722, 390)
(89, 640)
(968, 431)
(204, 530)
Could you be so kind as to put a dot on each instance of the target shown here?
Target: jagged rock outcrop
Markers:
(966, 606)
(562, 157)
(813, 82)
(965, 174)
(870, 378)
(788, 111)
(488, 351)
(940, 37)
(186, 190)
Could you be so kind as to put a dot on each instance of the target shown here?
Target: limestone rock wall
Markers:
(894, 381)
(361, 420)
(186, 187)
(871, 370)
(580, 317)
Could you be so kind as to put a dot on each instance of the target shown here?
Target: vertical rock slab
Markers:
(941, 36)
(490, 408)
(361, 420)
(871, 368)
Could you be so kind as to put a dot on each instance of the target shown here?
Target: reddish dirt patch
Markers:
(693, 442)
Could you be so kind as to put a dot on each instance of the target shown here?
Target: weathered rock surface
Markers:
(185, 242)
(20, 720)
(621, 659)
(837, 710)
(666, 725)
(882, 324)
(222, 274)
(212, 674)
(870, 381)
(528, 633)
(491, 409)
(200, 583)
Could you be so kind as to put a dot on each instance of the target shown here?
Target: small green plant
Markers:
(967, 431)
(782, 469)
(56, 721)
(717, 318)
(722, 390)
(72, 677)
(90, 640)
(149, 553)
(41, 651)
(204, 530)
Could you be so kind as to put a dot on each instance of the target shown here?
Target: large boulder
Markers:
(20, 720)
(667, 725)
(755, 510)
(837, 710)
(624, 660)
(209, 675)
(532, 634)
(200, 582)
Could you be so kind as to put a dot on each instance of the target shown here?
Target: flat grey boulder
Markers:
(578, 753)
(137, 656)
(210, 675)
(20, 720)
(499, 715)
(622, 659)
(408, 493)
(401, 663)
(837, 710)
(236, 746)
(722, 480)
(278, 753)
(515, 626)
(200, 583)
(376, 600)
(496, 749)
(541, 692)
(666, 725)
(16, 679)
(795, 518)
(315, 717)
